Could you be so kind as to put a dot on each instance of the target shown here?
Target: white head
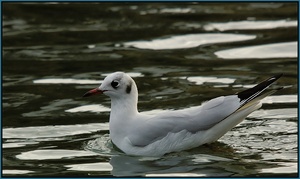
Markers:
(118, 86)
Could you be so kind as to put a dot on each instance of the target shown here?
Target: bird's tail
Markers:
(258, 92)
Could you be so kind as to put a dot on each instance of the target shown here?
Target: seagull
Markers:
(141, 134)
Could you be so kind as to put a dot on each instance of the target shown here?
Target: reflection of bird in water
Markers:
(155, 135)
(200, 161)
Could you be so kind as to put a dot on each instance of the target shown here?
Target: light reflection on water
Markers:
(48, 132)
(277, 50)
(247, 25)
(16, 172)
(177, 61)
(188, 41)
(89, 108)
(275, 113)
(50, 154)
(66, 81)
(200, 80)
(99, 166)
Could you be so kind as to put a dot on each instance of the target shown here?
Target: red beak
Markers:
(92, 92)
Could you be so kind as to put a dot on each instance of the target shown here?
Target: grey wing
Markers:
(192, 119)
(199, 118)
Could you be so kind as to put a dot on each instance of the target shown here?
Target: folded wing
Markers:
(198, 118)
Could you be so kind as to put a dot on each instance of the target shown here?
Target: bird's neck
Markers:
(123, 112)
(124, 107)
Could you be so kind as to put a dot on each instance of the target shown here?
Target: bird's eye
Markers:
(115, 84)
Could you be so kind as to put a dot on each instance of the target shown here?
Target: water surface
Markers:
(180, 54)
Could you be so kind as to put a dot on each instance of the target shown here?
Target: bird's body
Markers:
(170, 131)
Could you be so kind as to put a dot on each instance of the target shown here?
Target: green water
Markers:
(180, 54)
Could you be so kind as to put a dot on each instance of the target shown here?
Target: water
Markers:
(180, 54)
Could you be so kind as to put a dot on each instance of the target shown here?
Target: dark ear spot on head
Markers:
(128, 88)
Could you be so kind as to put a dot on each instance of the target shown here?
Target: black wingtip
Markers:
(251, 93)
(275, 77)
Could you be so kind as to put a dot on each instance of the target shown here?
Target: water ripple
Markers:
(52, 131)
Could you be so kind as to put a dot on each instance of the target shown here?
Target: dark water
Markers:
(180, 54)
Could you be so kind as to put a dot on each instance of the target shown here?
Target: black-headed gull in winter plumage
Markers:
(155, 135)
